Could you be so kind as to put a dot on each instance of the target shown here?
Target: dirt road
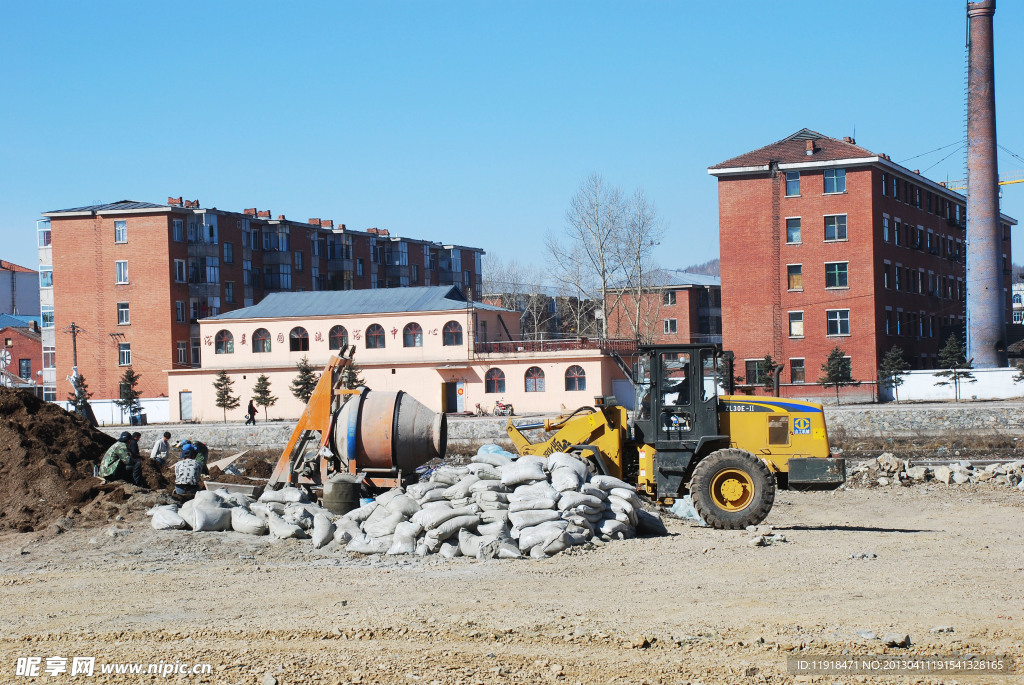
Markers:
(711, 608)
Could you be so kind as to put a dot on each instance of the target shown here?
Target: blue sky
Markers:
(467, 122)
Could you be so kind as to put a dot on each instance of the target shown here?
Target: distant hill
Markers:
(710, 268)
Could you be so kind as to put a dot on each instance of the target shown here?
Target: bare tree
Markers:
(606, 250)
(575, 302)
(594, 223)
(519, 287)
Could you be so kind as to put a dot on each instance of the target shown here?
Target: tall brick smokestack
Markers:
(986, 302)
(985, 299)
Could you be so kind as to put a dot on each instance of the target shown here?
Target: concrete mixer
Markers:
(379, 437)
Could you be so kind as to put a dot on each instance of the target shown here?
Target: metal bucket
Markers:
(341, 494)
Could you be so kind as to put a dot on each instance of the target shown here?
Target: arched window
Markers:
(494, 381)
(375, 337)
(534, 379)
(261, 340)
(298, 340)
(337, 338)
(412, 335)
(225, 343)
(1017, 299)
(452, 334)
(575, 378)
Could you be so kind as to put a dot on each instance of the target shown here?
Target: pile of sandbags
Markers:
(498, 506)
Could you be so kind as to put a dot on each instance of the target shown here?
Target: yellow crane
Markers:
(1006, 179)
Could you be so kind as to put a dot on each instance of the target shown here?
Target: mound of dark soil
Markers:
(46, 464)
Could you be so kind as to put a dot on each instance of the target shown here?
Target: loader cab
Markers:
(677, 395)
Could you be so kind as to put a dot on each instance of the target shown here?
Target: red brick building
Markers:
(686, 308)
(21, 353)
(136, 277)
(825, 243)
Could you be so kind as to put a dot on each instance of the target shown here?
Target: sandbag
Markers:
(491, 515)
(497, 528)
(206, 518)
(591, 514)
(533, 459)
(533, 517)
(243, 521)
(378, 514)
(565, 479)
(530, 504)
(491, 496)
(494, 506)
(264, 509)
(461, 489)
(417, 490)
(453, 526)
(404, 539)
(299, 517)
(205, 498)
(609, 527)
(284, 495)
(485, 471)
(589, 489)
(628, 495)
(530, 537)
(532, 491)
(450, 550)
(491, 458)
(554, 544)
(281, 530)
(364, 544)
(186, 511)
(167, 518)
(362, 513)
(434, 518)
(443, 504)
(421, 548)
(383, 527)
(569, 500)
(343, 526)
(469, 543)
(447, 475)
(522, 472)
(323, 531)
(384, 498)
(507, 550)
(240, 500)
(561, 460)
(610, 482)
(403, 504)
(488, 486)
(432, 496)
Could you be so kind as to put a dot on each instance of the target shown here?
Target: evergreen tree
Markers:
(79, 398)
(955, 365)
(261, 395)
(225, 400)
(350, 378)
(767, 371)
(892, 369)
(129, 400)
(305, 382)
(836, 372)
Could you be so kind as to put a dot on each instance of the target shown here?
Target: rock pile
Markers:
(887, 469)
(498, 506)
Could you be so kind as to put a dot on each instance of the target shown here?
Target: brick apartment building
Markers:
(825, 243)
(136, 277)
(685, 308)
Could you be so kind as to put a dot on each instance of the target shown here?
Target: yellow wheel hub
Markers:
(732, 489)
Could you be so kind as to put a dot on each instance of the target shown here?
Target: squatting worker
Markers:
(133, 445)
(118, 464)
(187, 472)
(202, 453)
(162, 448)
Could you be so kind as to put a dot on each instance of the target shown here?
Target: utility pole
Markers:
(74, 329)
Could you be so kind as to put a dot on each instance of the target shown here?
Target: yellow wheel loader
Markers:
(687, 434)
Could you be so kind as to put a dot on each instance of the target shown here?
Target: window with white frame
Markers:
(124, 354)
(46, 312)
(123, 318)
(795, 276)
(837, 274)
(835, 227)
(179, 271)
(796, 371)
(46, 277)
(792, 183)
(121, 269)
(669, 297)
(835, 180)
(796, 324)
(837, 321)
(182, 347)
(120, 231)
(196, 349)
(49, 357)
(1018, 316)
(670, 326)
(793, 230)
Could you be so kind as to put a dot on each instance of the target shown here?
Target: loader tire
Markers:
(732, 489)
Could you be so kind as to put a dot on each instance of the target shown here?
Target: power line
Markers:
(957, 142)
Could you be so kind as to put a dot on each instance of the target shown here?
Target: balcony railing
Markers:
(622, 346)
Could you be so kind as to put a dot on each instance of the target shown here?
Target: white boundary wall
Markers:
(157, 410)
(991, 384)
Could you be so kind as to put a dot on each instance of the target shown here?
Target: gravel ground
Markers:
(695, 606)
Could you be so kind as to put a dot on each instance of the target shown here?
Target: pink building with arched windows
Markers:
(448, 352)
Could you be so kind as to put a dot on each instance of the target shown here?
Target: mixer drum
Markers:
(388, 431)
